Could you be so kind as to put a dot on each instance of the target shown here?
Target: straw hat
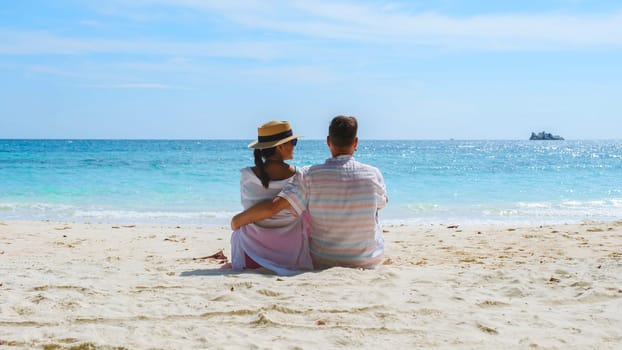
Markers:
(272, 134)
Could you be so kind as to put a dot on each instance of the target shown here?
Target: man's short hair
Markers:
(342, 131)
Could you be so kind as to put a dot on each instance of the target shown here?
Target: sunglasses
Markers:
(294, 142)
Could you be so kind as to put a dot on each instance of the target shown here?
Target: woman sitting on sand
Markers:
(279, 243)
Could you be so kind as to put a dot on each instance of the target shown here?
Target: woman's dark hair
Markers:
(260, 155)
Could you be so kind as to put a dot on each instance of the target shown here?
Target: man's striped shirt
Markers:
(343, 197)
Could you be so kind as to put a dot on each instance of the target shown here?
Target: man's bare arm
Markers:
(259, 211)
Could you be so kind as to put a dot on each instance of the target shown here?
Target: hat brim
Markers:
(270, 144)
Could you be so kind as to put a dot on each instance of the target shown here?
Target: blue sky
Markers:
(217, 69)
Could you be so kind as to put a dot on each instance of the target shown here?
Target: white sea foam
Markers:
(572, 211)
(155, 214)
(520, 212)
(61, 212)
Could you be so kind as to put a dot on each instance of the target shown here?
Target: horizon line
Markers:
(302, 139)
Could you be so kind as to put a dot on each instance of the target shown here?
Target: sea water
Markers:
(197, 181)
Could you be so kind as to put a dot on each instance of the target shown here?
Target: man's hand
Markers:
(236, 221)
(259, 211)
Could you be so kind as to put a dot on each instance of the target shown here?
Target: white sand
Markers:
(85, 286)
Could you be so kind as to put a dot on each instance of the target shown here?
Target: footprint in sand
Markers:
(492, 303)
(514, 293)
(487, 329)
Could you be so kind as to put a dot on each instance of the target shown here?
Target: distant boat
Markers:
(544, 136)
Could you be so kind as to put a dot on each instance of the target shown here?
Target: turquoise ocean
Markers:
(197, 181)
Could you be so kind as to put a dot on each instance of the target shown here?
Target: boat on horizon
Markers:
(544, 136)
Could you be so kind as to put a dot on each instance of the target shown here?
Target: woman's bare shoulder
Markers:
(280, 171)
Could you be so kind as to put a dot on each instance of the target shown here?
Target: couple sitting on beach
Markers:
(319, 216)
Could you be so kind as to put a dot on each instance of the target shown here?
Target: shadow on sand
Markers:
(224, 272)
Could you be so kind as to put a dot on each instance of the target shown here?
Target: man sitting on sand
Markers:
(342, 196)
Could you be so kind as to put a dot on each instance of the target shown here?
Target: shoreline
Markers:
(490, 286)
(385, 220)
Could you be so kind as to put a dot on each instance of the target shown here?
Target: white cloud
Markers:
(486, 32)
(13, 42)
(298, 74)
(137, 86)
(393, 24)
(328, 22)
(141, 86)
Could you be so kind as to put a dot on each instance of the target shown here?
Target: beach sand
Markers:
(102, 286)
